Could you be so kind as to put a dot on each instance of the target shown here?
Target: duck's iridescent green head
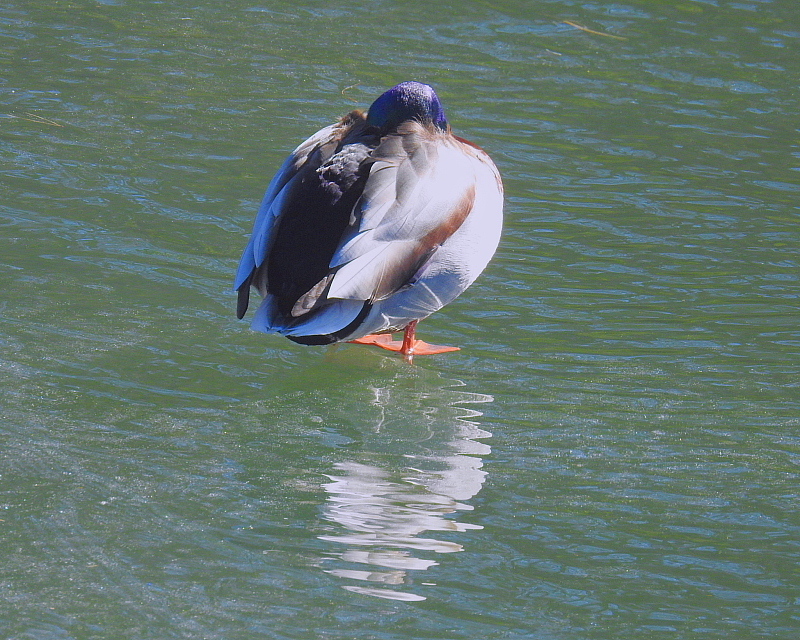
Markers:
(407, 101)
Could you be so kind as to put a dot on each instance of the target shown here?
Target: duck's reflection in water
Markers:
(420, 463)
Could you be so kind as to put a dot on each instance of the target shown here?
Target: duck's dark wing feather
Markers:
(304, 212)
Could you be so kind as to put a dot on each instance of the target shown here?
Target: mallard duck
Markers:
(371, 225)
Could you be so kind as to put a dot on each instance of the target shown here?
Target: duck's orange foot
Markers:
(417, 348)
(383, 340)
(408, 347)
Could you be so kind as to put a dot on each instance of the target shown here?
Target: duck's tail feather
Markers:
(326, 325)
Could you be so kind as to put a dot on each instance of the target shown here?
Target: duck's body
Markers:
(371, 225)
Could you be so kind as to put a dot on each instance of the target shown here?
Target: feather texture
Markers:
(371, 223)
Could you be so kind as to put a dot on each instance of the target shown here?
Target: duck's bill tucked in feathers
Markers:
(370, 224)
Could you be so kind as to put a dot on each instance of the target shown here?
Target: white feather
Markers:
(328, 320)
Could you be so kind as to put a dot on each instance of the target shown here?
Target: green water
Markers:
(613, 454)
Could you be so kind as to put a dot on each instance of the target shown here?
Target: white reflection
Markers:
(421, 462)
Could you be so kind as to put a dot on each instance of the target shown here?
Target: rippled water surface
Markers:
(613, 454)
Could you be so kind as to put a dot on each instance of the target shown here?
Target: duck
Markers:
(371, 225)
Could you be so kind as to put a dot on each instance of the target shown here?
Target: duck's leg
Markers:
(408, 347)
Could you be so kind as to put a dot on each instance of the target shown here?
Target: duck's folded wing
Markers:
(421, 188)
(274, 202)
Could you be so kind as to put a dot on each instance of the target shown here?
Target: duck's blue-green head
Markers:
(407, 101)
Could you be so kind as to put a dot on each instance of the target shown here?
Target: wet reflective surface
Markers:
(383, 513)
(613, 453)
